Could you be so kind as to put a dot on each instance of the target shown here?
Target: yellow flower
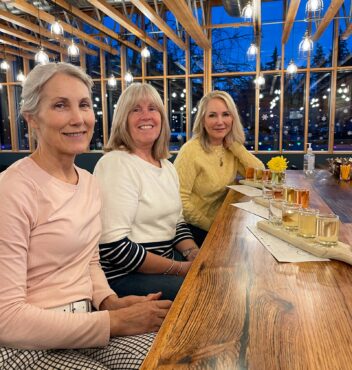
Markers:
(278, 164)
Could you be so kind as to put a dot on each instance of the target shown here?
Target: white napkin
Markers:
(254, 208)
(247, 190)
(281, 250)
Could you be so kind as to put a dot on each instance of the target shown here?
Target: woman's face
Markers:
(65, 120)
(217, 121)
(144, 124)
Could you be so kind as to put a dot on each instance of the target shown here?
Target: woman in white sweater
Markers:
(143, 225)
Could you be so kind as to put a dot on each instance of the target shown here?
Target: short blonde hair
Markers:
(120, 138)
(237, 132)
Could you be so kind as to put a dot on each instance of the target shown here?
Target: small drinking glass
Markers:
(302, 197)
(275, 211)
(328, 227)
(307, 222)
(266, 175)
(278, 191)
(258, 174)
(345, 172)
(290, 215)
(249, 173)
(267, 189)
(289, 194)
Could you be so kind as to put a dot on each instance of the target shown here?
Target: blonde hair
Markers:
(199, 131)
(120, 138)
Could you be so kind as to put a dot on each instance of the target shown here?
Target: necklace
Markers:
(220, 154)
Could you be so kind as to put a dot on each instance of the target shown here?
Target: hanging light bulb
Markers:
(306, 44)
(247, 11)
(73, 50)
(313, 8)
(112, 82)
(292, 68)
(56, 29)
(252, 51)
(260, 81)
(41, 57)
(4, 66)
(145, 53)
(20, 77)
(129, 77)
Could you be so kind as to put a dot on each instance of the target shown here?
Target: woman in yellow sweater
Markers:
(210, 161)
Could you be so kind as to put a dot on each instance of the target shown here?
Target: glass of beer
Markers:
(307, 222)
(345, 172)
(258, 174)
(275, 211)
(266, 175)
(289, 194)
(290, 215)
(250, 173)
(267, 189)
(328, 227)
(278, 191)
(302, 197)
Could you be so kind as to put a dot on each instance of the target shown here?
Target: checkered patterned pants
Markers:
(120, 353)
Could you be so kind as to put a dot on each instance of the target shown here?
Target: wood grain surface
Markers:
(240, 309)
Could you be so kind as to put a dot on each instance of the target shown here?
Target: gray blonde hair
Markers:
(237, 132)
(120, 137)
(40, 75)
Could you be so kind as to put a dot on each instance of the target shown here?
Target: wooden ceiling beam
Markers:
(328, 17)
(152, 15)
(35, 12)
(125, 22)
(11, 18)
(184, 15)
(21, 45)
(347, 33)
(27, 37)
(97, 25)
(290, 19)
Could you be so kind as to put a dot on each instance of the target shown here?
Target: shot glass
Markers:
(278, 191)
(258, 174)
(328, 227)
(275, 211)
(289, 194)
(250, 173)
(290, 215)
(266, 175)
(345, 172)
(267, 189)
(302, 197)
(307, 222)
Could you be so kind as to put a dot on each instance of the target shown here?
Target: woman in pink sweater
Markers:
(49, 231)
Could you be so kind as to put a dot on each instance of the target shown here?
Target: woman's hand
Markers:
(139, 318)
(192, 254)
(113, 302)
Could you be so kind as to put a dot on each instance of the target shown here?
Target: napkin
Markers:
(246, 190)
(254, 208)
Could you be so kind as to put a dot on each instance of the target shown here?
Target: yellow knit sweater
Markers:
(203, 181)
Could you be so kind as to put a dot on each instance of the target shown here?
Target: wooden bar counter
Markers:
(240, 309)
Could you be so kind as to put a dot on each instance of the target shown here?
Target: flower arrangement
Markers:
(278, 164)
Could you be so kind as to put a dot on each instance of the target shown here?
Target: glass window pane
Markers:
(155, 67)
(343, 113)
(197, 58)
(242, 90)
(177, 112)
(322, 52)
(159, 85)
(291, 47)
(344, 47)
(112, 63)
(22, 128)
(230, 47)
(93, 63)
(197, 92)
(270, 52)
(319, 108)
(269, 113)
(97, 139)
(176, 59)
(5, 130)
(134, 62)
(112, 95)
(293, 124)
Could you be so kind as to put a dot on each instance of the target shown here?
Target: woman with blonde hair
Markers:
(57, 310)
(211, 160)
(144, 232)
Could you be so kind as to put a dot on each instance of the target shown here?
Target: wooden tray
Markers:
(253, 184)
(340, 252)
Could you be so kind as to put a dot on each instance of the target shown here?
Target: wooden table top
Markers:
(239, 308)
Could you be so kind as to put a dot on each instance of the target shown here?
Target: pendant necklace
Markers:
(220, 154)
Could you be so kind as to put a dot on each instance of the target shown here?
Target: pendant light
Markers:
(260, 81)
(292, 68)
(145, 53)
(112, 83)
(252, 51)
(20, 77)
(306, 45)
(313, 9)
(56, 29)
(128, 77)
(41, 57)
(4, 65)
(247, 12)
(73, 50)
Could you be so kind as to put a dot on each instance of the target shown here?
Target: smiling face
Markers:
(217, 121)
(65, 120)
(144, 124)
